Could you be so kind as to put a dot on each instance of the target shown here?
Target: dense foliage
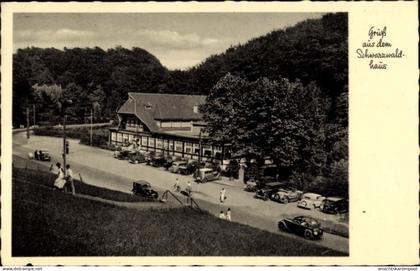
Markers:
(283, 121)
(99, 134)
(313, 50)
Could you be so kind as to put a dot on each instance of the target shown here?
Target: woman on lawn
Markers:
(60, 181)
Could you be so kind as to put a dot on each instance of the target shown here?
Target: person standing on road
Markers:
(176, 186)
(228, 215)
(222, 195)
(189, 189)
(69, 179)
(222, 215)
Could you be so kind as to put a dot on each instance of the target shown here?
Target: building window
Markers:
(119, 137)
(159, 143)
(148, 105)
(113, 136)
(151, 141)
(195, 109)
(144, 141)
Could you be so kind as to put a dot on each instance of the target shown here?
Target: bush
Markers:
(99, 134)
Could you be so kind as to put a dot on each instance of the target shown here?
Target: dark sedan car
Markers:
(304, 226)
(189, 168)
(42, 155)
(335, 205)
(268, 189)
(144, 189)
(137, 158)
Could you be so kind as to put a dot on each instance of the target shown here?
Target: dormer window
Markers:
(195, 108)
(148, 105)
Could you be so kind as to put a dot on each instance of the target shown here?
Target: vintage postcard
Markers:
(209, 133)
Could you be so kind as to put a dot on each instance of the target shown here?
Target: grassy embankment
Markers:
(49, 223)
(47, 179)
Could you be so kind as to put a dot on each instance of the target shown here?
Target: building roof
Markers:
(151, 107)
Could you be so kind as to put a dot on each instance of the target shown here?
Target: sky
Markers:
(178, 40)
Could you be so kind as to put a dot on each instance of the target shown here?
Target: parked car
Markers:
(334, 205)
(189, 168)
(144, 189)
(123, 154)
(41, 155)
(137, 158)
(158, 160)
(203, 175)
(253, 186)
(268, 189)
(305, 226)
(174, 168)
(310, 201)
(286, 194)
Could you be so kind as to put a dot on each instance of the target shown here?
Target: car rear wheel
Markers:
(285, 200)
(282, 226)
(308, 234)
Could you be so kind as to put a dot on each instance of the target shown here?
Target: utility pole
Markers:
(33, 106)
(199, 147)
(64, 143)
(27, 122)
(91, 125)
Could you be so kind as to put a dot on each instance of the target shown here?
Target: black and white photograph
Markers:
(180, 134)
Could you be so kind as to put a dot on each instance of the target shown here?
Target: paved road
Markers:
(98, 167)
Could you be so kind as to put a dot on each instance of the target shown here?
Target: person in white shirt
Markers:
(228, 215)
(69, 179)
(222, 195)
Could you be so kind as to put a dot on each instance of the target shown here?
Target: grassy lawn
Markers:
(47, 178)
(47, 223)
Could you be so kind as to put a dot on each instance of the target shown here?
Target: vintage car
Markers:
(304, 226)
(157, 160)
(123, 154)
(144, 189)
(189, 168)
(41, 155)
(203, 175)
(334, 205)
(253, 186)
(286, 194)
(174, 168)
(310, 201)
(268, 189)
(137, 158)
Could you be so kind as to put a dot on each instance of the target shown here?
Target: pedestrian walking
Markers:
(177, 188)
(228, 215)
(69, 179)
(222, 195)
(222, 215)
(188, 188)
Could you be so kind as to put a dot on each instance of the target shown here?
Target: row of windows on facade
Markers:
(167, 144)
(136, 124)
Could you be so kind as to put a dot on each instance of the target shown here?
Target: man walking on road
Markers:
(222, 195)
(228, 215)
